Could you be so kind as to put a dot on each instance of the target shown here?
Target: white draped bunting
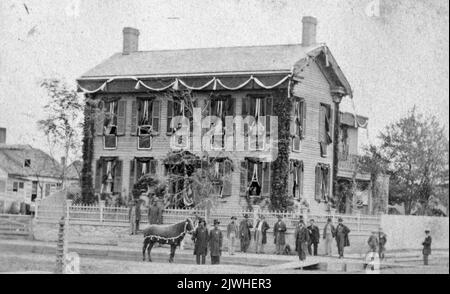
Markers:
(176, 82)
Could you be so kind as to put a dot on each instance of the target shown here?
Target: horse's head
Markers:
(189, 225)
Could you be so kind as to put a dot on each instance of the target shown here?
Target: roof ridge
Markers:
(219, 47)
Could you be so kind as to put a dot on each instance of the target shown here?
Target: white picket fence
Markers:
(118, 216)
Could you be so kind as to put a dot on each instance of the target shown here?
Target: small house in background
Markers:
(26, 174)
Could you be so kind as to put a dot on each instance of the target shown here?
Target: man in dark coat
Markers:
(373, 242)
(261, 234)
(153, 213)
(342, 239)
(245, 234)
(426, 247)
(302, 239)
(314, 237)
(200, 238)
(215, 243)
(279, 231)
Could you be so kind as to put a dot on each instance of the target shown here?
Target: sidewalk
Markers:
(352, 262)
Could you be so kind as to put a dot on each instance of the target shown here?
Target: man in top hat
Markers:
(382, 240)
(232, 232)
(279, 231)
(426, 247)
(314, 237)
(342, 239)
(215, 243)
(200, 238)
(245, 234)
(301, 237)
(261, 234)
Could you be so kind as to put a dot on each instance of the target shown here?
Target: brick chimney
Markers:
(2, 135)
(309, 31)
(130, 40)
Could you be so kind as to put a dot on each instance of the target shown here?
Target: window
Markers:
(21, 185)
(325, 136)
(34, 189)
(27, 163)
(255, 177)
(298, 123)
(149, 110)
(296, 179)
(221, 172)
(322, 190)
(145, 137)
(257, 111)
(220, 106)
(110, 119)
(15, 186)
(108, 175)
(177, 107)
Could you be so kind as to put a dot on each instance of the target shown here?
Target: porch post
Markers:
(337, 94)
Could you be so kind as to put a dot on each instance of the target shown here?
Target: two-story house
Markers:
(246, 88)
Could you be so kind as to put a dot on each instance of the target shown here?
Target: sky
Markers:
(393, 61)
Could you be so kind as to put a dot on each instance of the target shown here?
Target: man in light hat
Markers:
(215, 243)
(342, 239)
(426, 246)
(279, 231)
(232, 232)
(260, 234)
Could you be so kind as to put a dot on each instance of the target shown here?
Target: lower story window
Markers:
(108, 175)
(296, 179)
(322, 189)
(255, 177)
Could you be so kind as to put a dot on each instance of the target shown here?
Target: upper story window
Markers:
(220, 107)
(325, 124)
(149, 110)
(110, 120)
(177, 107)
(27, 163)
(256, 112)
(298, 123)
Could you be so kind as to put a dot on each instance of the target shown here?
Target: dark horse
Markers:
(165, 234)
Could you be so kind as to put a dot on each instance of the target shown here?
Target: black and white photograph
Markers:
(228, 137)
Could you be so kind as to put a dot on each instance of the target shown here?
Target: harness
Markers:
(171, 240)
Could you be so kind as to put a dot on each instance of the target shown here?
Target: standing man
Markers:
(245, 234)
(302, 240)
(342, 239)
(132, 217)
(200, 238)
(329, 233)
(153, 212)
(138, 213)
(232, 232)
(426, 247)
(382, 240)
(279, 231)
(314, 237)
(261, 234)
(373, 242)
(215, 243)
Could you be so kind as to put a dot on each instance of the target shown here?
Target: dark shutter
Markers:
(301, 183)
(303, 113)
(156, 110)
(132, 177)
(318, 194)
(291, 178)
(99, 118)
(98, 175)
(169, 115)
(121, 117)
(134, 118)
(322, 132)
(153, 166)
(266, 179)
(118, 176)
(268, 113)
(244, 174)
(227, 183)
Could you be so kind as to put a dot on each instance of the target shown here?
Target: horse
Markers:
(166, 234)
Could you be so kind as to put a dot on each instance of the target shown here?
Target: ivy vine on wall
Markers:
(280, 167)
(87, 190)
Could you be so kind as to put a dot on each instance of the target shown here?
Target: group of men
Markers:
(306, 238)
(134, 213)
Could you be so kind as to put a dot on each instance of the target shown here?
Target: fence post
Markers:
(102, 204)
(68, 205)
